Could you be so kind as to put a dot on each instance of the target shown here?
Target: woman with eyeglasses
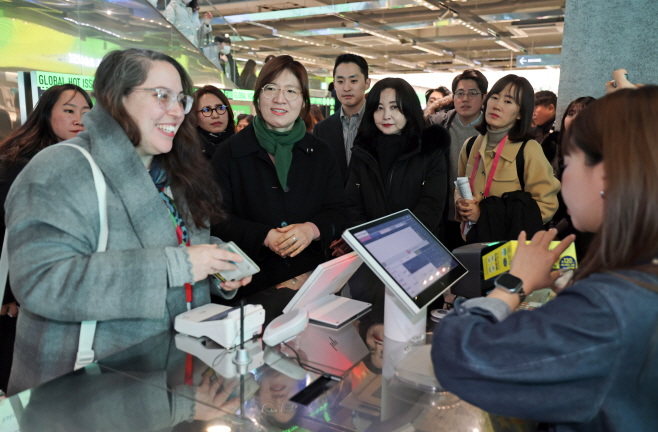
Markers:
(280, 185)
(159, 256)
(512, 183)
(214, 118)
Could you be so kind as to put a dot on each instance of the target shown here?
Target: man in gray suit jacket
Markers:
(339, 130)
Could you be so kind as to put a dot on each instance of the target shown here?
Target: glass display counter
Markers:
(172, 383)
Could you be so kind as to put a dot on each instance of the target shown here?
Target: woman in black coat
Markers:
(395, 164)
(214, 118)
(281, 185)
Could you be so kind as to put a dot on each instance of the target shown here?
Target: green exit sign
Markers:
(322, 101)
(243, 95)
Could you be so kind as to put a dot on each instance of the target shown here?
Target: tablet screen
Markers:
(411, 255)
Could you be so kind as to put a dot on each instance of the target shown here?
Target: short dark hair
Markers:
(269, 57)
(118, 74)
(352, 58)
(524, 96)
(471, 74)
(222, 39)
(408, 104)
(242, 116)
(442, 89)
(545, 98)
(273, 69)
(209, 89)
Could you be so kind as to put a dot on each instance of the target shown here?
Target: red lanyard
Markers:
(188, 369)
(179, 235)
(493, 168)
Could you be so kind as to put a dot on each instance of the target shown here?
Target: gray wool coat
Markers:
(134, 289)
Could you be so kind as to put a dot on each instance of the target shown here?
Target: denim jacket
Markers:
(581, 362)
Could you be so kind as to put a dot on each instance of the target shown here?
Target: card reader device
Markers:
(221, 323)
(318, 294)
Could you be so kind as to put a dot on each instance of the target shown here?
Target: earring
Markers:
(602, 194)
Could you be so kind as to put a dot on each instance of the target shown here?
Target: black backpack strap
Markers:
(469, 145)
(520, 164)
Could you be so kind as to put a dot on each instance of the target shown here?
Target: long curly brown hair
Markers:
(190, 173)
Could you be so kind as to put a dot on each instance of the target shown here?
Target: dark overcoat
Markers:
(255, 203)
(417, 181)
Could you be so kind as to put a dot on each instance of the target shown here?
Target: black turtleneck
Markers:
(210, 141)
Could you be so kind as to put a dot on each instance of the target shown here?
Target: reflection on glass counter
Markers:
(174, 382)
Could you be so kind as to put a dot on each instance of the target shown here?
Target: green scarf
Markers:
(279, 144)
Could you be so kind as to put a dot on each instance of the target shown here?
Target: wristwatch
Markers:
(511, 284)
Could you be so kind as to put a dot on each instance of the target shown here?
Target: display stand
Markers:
(400, 324)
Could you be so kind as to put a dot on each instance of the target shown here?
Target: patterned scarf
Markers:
(161, 180)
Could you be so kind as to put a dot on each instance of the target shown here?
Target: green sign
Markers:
(240, 109)
(45, 80)
(322, 101)
(243, 95)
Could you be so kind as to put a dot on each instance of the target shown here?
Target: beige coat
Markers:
(539, 179)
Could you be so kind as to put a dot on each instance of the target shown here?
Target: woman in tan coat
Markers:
(491, 164)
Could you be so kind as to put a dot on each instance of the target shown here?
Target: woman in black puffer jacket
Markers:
(395, 164)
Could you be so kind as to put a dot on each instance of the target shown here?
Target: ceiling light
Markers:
(426, 4)
(510, 45)
(361, 54)
(473, 26)
(403, 63)
(296, 39)
(463, 60)
(374, 33)
(428, 50)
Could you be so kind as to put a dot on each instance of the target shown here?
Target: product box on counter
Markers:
(499, 260)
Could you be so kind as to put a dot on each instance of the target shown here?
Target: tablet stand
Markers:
(400, 324)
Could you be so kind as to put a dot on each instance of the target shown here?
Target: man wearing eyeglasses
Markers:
(469, 88)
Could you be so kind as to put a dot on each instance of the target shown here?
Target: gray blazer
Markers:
(134, 290)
